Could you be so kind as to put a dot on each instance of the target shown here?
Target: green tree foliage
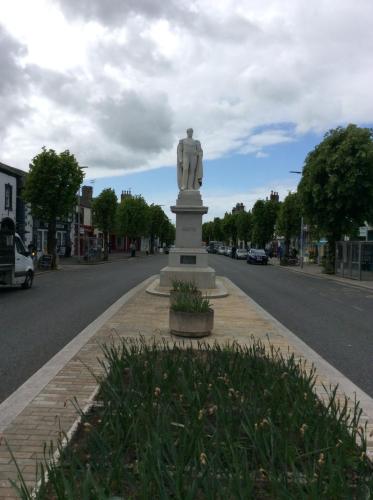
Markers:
(104, 209)
(264, 215)
(229, 228)
(133, 217)
(244, 224)
(50, 188)
(168, 232)
(159, 226)
(218, 234)
(208, 231)
(289, 219)
(336, 189)
(156, 223)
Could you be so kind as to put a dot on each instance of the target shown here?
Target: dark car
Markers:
(257, 256)
(213, 246)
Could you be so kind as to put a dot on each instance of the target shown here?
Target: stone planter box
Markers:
(191, 324)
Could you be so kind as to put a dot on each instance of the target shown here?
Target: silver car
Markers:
(228, 251)
(241, 253)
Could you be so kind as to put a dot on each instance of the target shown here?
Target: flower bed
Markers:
(210, 423)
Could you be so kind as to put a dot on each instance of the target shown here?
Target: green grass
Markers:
(190, 302)
(184, 286)
(213, 423)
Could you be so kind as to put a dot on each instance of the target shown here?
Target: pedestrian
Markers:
(133, 249)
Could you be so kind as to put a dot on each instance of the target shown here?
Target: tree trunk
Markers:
(106, 245)
(51, 243)
(287, 248)
(329, 262)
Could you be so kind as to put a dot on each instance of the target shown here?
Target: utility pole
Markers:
(78, 236)
(78, 230)
(301, 242)
(301, 227)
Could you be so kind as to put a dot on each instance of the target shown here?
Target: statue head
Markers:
(189, 132)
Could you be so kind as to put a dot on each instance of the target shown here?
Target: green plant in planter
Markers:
(191, 302)
(184, 286)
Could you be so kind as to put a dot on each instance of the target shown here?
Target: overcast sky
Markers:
(118, 82)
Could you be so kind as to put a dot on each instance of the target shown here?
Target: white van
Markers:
(16, 264)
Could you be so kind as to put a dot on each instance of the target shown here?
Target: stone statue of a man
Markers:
(189, 163)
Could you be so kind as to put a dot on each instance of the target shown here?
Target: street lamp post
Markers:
(152, 239)
(301, 227)
(78, 235)
(301, 242)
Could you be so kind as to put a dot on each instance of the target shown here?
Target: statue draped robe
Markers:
(189, 164)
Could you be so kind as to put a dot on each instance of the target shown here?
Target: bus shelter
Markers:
(354, 259)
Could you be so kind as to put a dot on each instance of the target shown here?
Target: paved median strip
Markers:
(44, 406)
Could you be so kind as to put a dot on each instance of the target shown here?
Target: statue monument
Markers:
(188, 261)
(189, 163)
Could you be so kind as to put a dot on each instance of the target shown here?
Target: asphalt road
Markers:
(35, 324)
(335, 320)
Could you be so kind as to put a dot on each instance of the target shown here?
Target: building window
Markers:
(42, 240)
(61, 238)
(8, 197)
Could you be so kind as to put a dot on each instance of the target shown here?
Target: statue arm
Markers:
(199, 163)
(180, 152)
(179, 163)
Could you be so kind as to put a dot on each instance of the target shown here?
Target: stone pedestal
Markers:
(188, 261)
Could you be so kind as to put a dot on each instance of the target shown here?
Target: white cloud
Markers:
(261, 154)
(260, 140)
(13, 84)
(119, 82)
(220, 202)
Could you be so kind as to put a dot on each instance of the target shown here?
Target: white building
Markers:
(8, 193)
(11, 203)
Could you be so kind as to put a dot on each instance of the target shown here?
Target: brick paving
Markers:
(237, 318)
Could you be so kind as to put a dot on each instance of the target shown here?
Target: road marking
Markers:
(358, 308)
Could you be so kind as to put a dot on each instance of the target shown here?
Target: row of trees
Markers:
(133, 217)
(51, 188)
(256, 226)
(334, 196)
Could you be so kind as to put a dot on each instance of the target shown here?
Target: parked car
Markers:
(241, 253)
(221, 250)
(228, 251)
(257, 256)
(213, 246)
